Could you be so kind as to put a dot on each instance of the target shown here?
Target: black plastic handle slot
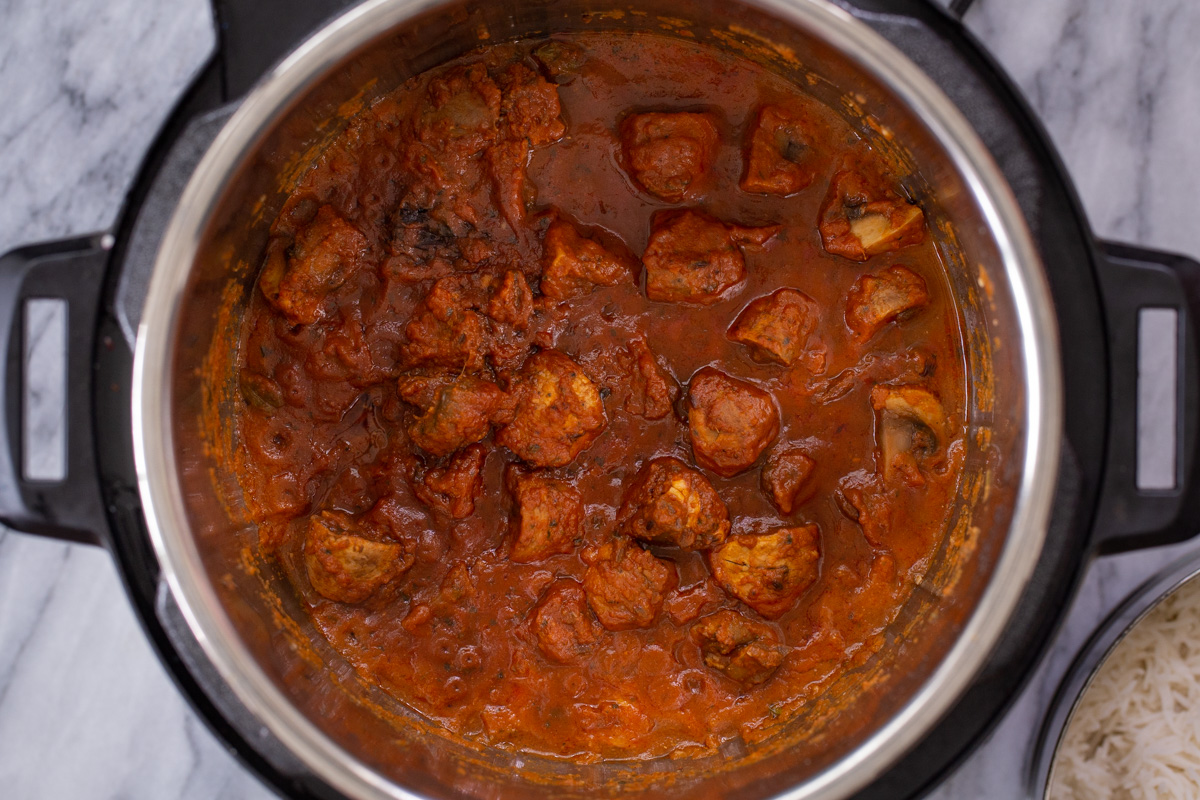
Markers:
(73, 271)
(1140, 506)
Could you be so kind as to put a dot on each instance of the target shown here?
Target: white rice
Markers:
(1136, 732)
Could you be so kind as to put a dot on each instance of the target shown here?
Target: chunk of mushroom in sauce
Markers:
(768, 572)
(672, 504)
(882, 297)
(749, 652)
(912, 431)
(731, 421)
(694, 258)
(548, 514)
(863, 218)
(345, 566)
(670, 155)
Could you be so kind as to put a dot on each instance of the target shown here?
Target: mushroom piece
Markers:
(887, 225)
(574, 264)
(875, 300)
(768, 572)
(345, 566)
(746, 651)
(558, 411)
(911, 430)
(670, 155)
(672, 504)
(547, 515)
(862, 218)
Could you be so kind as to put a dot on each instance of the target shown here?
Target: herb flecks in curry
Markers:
(601, 397)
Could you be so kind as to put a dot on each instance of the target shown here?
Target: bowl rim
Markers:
(1092, 657)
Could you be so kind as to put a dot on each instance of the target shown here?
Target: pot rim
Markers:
(157, 469)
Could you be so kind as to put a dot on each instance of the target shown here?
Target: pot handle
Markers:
(70, 271)
(1146, 497)
(253, 35)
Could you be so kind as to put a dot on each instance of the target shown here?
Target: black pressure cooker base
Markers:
(251, 39)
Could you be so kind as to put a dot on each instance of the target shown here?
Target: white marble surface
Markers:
(85, 709)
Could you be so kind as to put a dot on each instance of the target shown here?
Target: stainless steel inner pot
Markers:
(367, 745)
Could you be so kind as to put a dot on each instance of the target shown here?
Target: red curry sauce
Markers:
(603, 396)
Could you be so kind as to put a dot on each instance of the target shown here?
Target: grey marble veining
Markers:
(1115, 82)
(86, 85)
(85, 709)
(44, 436)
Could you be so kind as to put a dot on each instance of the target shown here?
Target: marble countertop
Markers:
(85, 709)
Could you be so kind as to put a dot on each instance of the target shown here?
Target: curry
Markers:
(602, 397)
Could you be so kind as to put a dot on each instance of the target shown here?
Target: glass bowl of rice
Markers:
(1125, 724)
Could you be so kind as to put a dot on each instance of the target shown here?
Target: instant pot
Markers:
(1053, 315)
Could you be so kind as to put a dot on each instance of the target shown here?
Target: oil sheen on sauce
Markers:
(415, 255)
